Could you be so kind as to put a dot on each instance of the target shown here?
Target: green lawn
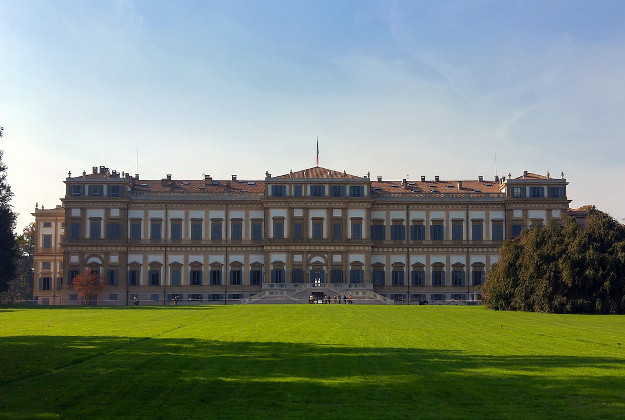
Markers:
(309, 361)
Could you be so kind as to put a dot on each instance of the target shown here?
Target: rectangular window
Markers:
(436, 231)
(458, 296)
(135, 230)
(112, 277)
(356, 276)
(278, 190)
(113, 296)
(356, 191)
(256, 277)
(155, 277)
(337, 191)
(518, 192)
(198, 297)
(318, 190)
(337, 230)
(235, 277)
(257, 230)
(47, 224)
(478, 231)
(478, 278)
(76, 190)
(74, 230)
(357, 229)
(73, 296)
(497, 230)
(215, 277)
(133, 277)
(378, 277)
(114, 230)
(297, 275)
(397, 277)
(277, 276)
(155, 229)
(196, 230)
(438, 278)
(378, 231)
(115, 190)
(175, 276)
(537, 192)
(556, 192)
(47, 241)
(516, 229)
(45, 265)
(336, 276)
(457, 278)
(154, 296)
(94, 228)
(456, 230)
(317, 229)
(195, 278)
(278, 228)
(237, 229)
(216, 229)
(418, 277)
(298, 230)
(45, 283)
(417, 231)
(176, 230)
(70, 276)
(95, 190)
(297, 190)
(398, 232)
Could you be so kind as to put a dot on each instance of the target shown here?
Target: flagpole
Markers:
(317, 151)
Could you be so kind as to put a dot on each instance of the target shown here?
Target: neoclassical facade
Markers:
(311, 233)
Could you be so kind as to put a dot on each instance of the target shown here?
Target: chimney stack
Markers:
(480, 178)
(234, 177)
(422, 178)
(436, 178)
(459, 185)
(379, 179)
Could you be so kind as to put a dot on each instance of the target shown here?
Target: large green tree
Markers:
(21, 287)
(8, 250)
(562, 269)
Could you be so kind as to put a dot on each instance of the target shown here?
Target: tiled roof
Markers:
(450, 187)
(319, 173)
(531, 175)
(200, 186)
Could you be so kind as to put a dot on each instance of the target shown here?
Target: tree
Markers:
(8, 250)
(562, 269)
(88, 285)
(21, 287)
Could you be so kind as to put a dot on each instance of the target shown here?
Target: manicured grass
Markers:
(309, 361)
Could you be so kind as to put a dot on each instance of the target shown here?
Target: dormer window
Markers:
(95, 190)
(537, 192)
(278, 190)
(518, 192)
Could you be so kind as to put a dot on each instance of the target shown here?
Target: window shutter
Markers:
(443, 278)
(40, 283)
(483, 277)
(462, 278)
(273, 276)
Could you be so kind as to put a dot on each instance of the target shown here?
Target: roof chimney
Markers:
(169, 177)
(234, 177)
(480, 178)
(496, 178)
(422, 178)
(459, 185)
(94, 170)
(379, 179)
(524, 174)
(436, 178)
(403, 182)
(208, 179)
(137, 177)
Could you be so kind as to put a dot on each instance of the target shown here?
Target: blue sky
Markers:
(396, 88)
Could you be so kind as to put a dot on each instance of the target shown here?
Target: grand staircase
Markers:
(362, 294)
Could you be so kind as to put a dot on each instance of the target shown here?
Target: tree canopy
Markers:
(566, 268)
(88, 285)
(8, 250)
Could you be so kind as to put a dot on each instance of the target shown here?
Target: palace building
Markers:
(284, 239)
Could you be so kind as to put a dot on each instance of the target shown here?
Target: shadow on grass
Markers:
(105, 377)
